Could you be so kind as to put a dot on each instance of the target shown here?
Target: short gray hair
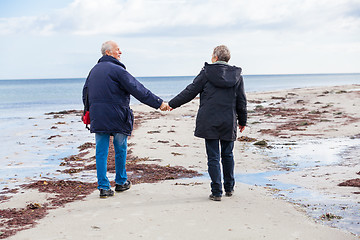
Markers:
(106, 46)
(222, 52)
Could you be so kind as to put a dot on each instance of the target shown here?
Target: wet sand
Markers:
(179, 208)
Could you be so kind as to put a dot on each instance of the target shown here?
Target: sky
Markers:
(62, 38)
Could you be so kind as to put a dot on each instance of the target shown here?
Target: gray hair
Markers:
(222, 52)
(106, 46)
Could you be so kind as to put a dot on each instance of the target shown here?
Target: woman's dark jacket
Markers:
(222, 101)
(109, 87)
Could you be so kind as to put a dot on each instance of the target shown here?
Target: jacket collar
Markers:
(107, 58)
(221, 62)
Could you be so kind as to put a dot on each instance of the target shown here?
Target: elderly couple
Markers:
(222, 108)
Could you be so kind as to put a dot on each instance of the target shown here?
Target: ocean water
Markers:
(26, 151)
(20, 97)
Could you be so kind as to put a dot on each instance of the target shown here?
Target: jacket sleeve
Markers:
(190, 92)
(141, 93)
(85, 91)
(241, 104)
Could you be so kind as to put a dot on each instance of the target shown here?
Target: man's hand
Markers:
(165, 107)
(242, 128)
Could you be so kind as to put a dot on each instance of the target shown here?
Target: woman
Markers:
(222, 105)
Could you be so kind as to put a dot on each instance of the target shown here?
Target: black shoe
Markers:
(104, 193)
(229, 194)
(215, 198)
(124, 187)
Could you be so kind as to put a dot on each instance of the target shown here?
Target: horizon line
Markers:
(271, 74)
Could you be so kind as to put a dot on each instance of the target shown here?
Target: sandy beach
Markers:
(166, 205)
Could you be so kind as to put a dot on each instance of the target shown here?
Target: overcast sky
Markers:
(62, 38)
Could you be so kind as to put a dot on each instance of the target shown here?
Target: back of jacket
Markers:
(222, 101)
(109, 87)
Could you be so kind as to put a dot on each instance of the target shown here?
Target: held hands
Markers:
(165, 107)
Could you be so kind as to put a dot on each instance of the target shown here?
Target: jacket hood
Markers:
(222, 75)
(107, 58)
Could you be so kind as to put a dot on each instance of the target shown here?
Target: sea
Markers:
(26, 97)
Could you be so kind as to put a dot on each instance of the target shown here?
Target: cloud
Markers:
(277, 36)
(38, 25)
(186, 17)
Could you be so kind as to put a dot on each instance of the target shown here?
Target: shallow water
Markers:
(305, 155)
(311, 153)
(28, 153)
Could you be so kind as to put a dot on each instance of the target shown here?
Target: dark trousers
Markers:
(227, 161)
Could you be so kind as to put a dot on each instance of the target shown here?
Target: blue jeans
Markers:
(227, 161)
(102, 151)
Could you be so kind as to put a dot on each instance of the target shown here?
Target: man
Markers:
(108, 88)
(222, 103)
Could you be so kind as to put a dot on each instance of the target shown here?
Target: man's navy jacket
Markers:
(109, 87)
